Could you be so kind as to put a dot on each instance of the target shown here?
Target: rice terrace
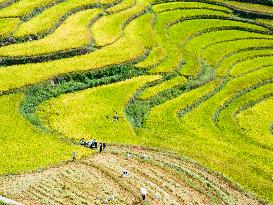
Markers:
(136, 102)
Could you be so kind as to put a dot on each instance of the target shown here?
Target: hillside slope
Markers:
(193, 77)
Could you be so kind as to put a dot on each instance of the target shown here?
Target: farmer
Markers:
(74, 156)
(95, 143)
(125, 173)
(105, 201)
(156, 198)
(129, 156)
(143, 192)
(100, 147)
(144, 157)
(82, 142)
(104, 145)
(112, 197)
(115, 117)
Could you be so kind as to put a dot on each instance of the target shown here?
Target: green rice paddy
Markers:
(195, 78)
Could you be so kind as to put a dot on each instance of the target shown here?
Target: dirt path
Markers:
(99, 177)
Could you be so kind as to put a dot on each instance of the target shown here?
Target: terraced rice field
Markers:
(190, 77)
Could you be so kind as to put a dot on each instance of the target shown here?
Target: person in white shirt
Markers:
(143, 192)
(156, 198)
(105, 201)
(74, 156)
(125, 173)
(129, 156)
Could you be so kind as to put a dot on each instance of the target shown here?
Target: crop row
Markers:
(174, 57)
(172, 51)
(228, 116)
(155, 58)
(48, 19)
(138, 108)
(168, 49)
(6, 3)
(151, 91)
(242, 53)
(25, 8)
(127, 49)
(253, 64)
(214, 53)
(192, 170)
(247, 10)
(73, 33)
(195, 47)
(250, 8)
(258, 121)
(108, 29)
(237, 95)
(184, 32)
(153, 180)
(31, 49)
(125, 4)
(159, 8)
(52, 18)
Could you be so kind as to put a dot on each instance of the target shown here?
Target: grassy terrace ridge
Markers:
(195, 46)
(251, 65)
(73, 33)
(164, 7)
(122, 50)
(173, 57)
(256, 8)
(265, 21)
(228, 118)
(151, 91)
(257, 112)
(7, 26)
(126, 4)
(243, 55)
(48, 18)
(189, 77)
(156, 56)
(191, 27)
(108, 29)
(231, 46)
(23, 7)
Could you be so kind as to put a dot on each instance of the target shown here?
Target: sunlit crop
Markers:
(193, 78)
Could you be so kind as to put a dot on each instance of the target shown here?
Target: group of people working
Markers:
(93, 144)
(102, 146)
